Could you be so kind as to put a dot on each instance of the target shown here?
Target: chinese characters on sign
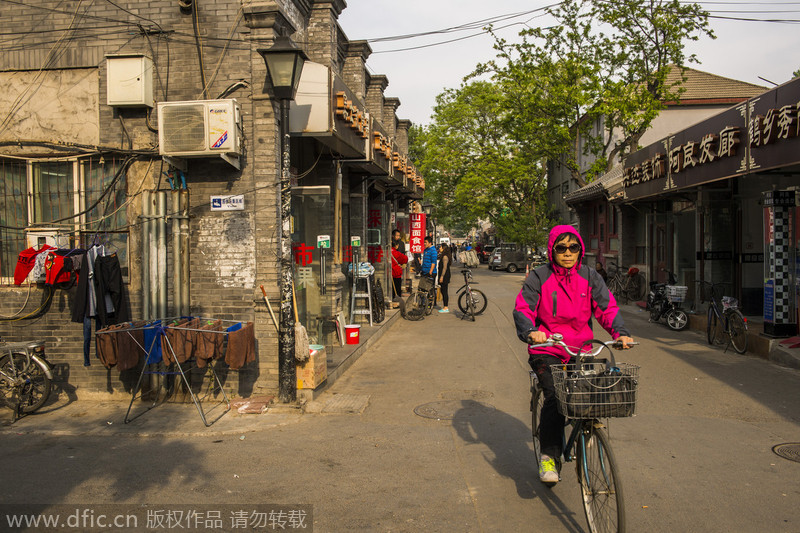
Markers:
(682, 157)
(302, 254)
(417, 235)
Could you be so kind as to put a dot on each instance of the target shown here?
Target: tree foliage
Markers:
(582, 92)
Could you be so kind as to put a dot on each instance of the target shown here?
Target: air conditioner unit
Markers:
(201, 128)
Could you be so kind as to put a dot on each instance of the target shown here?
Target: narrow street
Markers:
(439, 440)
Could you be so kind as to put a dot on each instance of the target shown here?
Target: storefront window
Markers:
(311, 211)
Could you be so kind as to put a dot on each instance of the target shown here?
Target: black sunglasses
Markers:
(561, 248)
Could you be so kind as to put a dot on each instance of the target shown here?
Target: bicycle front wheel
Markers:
(479, 301)
(537, 401)
(600, 483)
(415, 306)
(738, 331)
(714, 328)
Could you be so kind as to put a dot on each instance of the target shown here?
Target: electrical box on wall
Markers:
(57, 237)
(129, 80)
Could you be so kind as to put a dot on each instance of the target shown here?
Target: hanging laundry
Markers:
(209, 343)
(85, 304)
(111, 303)
(31, 262)
(60, 267)
(241, 347)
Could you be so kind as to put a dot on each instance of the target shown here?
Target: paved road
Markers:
(430, 431)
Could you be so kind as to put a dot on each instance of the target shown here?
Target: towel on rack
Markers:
(129, 343)
(209, 345)
(152, 342)
(241, 347)
(174, 340)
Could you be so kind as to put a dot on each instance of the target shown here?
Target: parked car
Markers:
(508, 257)
(486, 253)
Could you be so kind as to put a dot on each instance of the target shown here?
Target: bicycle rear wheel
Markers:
(634, 289)
(738, 331)
(35, 388)
(415, 306)
(478, 299)
(600, 483)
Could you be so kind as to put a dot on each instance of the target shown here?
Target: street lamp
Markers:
(284, 62)
(427, 208)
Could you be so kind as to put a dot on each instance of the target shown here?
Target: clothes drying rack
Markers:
(159, 335)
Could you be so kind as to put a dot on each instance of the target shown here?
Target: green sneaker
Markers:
(548, 473)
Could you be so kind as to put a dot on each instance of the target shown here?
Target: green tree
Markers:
(594, 82)
(475, 171)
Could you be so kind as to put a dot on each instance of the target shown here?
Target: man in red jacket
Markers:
(563, 296)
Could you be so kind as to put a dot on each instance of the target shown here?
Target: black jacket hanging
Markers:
(112, 306)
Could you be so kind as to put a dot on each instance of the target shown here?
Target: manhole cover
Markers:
(789, 451)
(448, 409)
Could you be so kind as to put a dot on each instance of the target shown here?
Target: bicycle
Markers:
(626, 283)
(471, 301)
(420, 301)
(378, 303)
(587, 390)
(728, 324)
(25, 377)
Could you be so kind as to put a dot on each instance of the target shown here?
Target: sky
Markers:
(743, 50)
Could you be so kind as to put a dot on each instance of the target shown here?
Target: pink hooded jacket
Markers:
(554, 299)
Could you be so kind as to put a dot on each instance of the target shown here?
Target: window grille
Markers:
(55, 194)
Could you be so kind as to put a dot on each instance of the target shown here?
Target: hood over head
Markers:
(551, 241)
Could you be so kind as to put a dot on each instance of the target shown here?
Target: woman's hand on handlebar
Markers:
(623, 342)
(537, 337)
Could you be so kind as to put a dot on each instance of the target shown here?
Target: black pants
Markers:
(397, 287)
(551, 422)
(445, 296)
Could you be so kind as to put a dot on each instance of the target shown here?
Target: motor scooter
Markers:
(664, 301)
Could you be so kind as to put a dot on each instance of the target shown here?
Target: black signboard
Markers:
(714, 256)
(759, 134)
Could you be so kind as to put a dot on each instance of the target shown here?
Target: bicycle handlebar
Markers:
(556, 339)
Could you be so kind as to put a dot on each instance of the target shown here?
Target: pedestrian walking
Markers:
(445, 261)
(563, 296)
(429, 259)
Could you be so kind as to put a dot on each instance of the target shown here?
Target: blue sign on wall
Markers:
(769, 301)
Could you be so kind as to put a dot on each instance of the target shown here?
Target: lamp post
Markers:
(284, 62)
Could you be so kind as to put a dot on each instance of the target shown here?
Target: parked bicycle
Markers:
(587, 390)
(25, 376)
(471, 302)
(664, 301)
(626, 283)
(420, 301)
(726, 324)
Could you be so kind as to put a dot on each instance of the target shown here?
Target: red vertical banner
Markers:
(417, 235)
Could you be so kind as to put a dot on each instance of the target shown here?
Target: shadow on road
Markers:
(511, 454)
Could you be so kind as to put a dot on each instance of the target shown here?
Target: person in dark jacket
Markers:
(445, 261)
(563, 296)
(602, 271)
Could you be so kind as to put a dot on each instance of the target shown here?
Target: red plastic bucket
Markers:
(351, 333)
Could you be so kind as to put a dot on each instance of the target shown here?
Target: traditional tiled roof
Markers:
(704, 87)
(604, 186)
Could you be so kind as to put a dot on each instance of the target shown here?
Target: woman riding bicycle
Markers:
(562, 297)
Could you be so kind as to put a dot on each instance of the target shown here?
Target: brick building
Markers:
(90, 154)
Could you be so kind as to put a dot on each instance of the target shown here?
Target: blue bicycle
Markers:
(588, 390)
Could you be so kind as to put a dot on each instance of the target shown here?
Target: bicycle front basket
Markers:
(729, 302)
(592, 391)
(425, 283)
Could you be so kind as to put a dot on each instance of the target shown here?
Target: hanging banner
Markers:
(417, 235)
